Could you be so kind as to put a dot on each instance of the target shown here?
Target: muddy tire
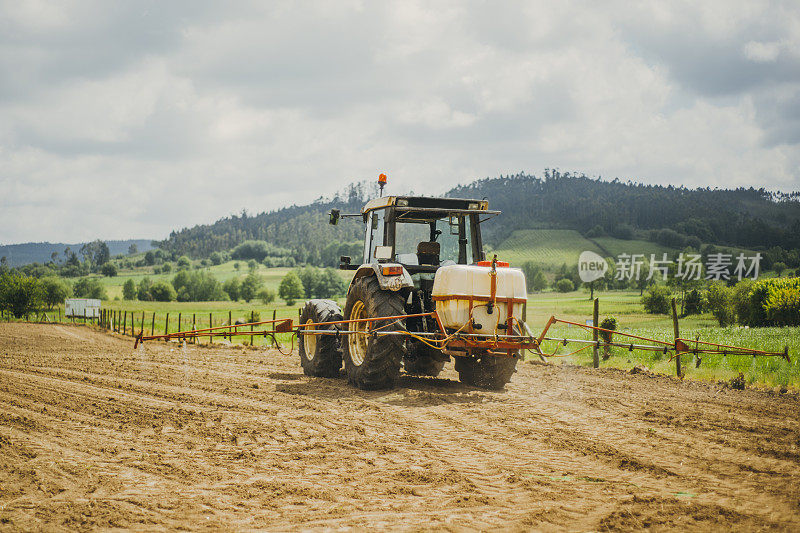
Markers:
(373, 362)
(320, 355)
(488, 371)
(422, 360)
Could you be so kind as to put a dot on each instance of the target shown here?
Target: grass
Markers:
(625, 306)
(548, 247)
(614, 247)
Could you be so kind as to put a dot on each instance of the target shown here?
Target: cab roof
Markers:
(427, 203)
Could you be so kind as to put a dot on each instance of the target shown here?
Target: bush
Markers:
(693, 304)
(756, 302)
(252, 265)
(197, 286)
(250, 286)
(166, 268)
(216, 258)
(608, 322)
(782, 306)
(89, 288)
(143, 290)
(108, 269)
(258, 250)
(720, 303)
(565, 285)
(291, 288)
(657, 300)
(231, 287)
(184, 262)
(20, 294)
(55, 291)
(779, 268)
(162, 291)
(129, 290)
(267, 296)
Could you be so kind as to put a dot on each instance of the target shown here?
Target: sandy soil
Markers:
(96, 435)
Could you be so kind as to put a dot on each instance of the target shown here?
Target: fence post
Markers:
(141, 330)
(210, 333)
(194, 327)
(677, 335)
(166, 327)
(125, 324)
(596, 324)
(179, 322)
(230, 323)
(153, 325)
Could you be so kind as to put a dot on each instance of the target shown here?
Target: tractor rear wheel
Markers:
(487, 371)
(320, 355)
(372, 361)
(422, 360)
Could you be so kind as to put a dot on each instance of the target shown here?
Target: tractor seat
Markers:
(428, 253)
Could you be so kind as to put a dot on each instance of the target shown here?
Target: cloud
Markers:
(131, 120)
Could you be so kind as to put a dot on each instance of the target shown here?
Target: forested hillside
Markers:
(676, 217)
(42, 252)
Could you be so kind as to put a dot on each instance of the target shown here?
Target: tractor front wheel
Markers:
(373, 361)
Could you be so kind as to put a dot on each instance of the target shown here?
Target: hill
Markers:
(41, 252)
(616, 216)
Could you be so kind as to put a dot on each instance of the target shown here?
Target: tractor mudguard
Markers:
(386, 283)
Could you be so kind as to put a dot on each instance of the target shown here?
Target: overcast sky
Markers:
(131, 119)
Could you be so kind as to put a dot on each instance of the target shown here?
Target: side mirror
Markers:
(334, 217)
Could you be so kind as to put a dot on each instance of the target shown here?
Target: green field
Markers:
(554, 247)
(546, 247)
(625, 306)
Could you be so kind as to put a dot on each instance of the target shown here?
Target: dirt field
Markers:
(95, 435)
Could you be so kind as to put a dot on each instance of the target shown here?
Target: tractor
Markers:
(422, 295)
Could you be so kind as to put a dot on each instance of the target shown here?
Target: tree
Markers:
(216, 258)
(20, 294)
(231, 287)
(252, 265)
(129, 290)
(197, 286)
(133, 249)
(89, 288)
(166, 268)
(184, 262)
(720, 303)
(291, 288)
(149, 258)
(657, 300)
(96, 252)
(250, 286)
(162, 291)
(143, 290)
(539, 282)
(55, 291)
(779, 267)
(109, 270)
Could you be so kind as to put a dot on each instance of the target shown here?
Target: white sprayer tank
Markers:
(456, 288)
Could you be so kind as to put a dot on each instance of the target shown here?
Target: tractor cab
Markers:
(422, 234)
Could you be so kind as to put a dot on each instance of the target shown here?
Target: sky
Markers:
(132, 119)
